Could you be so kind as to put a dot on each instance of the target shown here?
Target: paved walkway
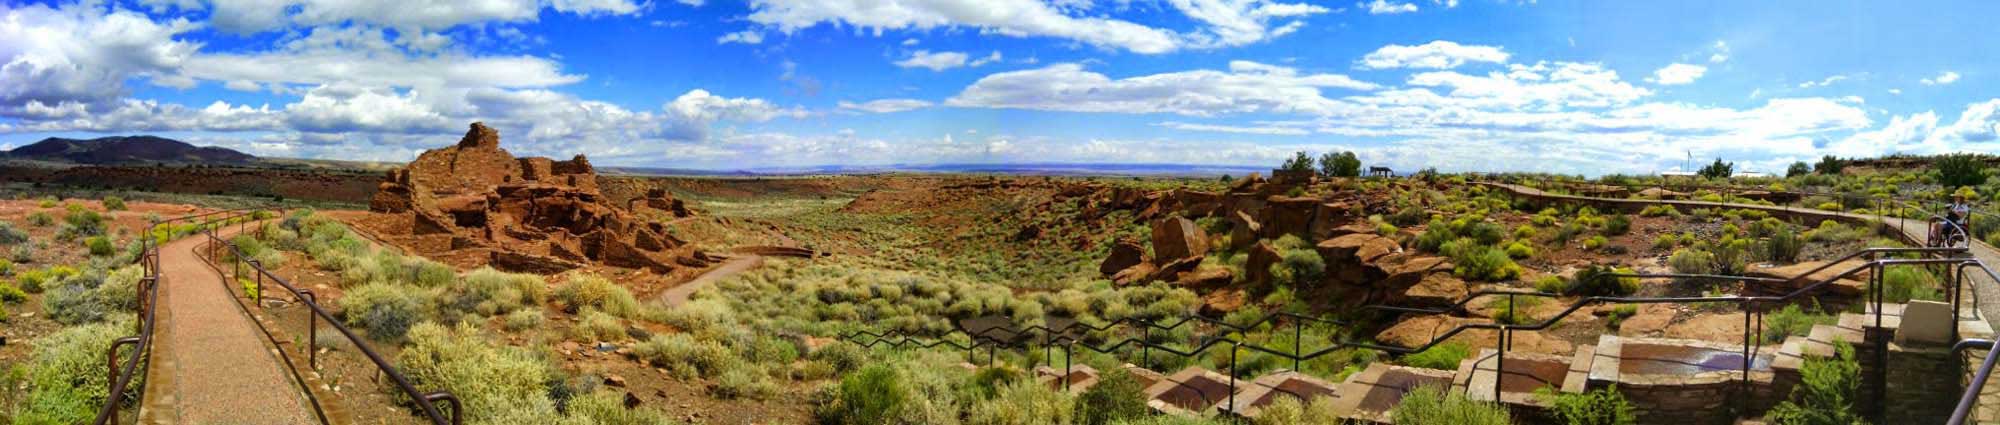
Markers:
(215, 365)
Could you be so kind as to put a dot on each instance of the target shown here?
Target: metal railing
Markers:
(426, 402)
(147, 298)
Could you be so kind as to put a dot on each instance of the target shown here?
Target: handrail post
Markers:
(259, 296)
(1233, 348)
(111, 368)
(1068, 349)
(1499, 360)
(1297, 333)
(312, 329)
(1146, 349)
(457, 409)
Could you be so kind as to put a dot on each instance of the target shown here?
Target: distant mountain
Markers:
(125, 150)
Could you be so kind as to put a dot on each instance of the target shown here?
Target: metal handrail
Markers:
(142, 344)
(425, 401)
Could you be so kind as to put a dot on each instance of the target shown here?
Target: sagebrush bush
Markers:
(523, 319)
(487, 377)
(113, 203)
(699, 315)
(1597, 280)
(1291, 411)
(1617, 225)
(1023, 403)
(744, 382)
(595, 325)
(685, 357)
(98, 246)
(1783, 246)
(1480, 262)
(1433, 405)
(386, 310)
(1116, 397)
(1905, 283)
(489, 292)
(1520, 250)
(591, 291)
(873, 395)
(10, 235)
(10, 294)
(41, 219)
(66, 379)
(608, 408)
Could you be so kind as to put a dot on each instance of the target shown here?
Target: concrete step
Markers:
(1820, 342)
(1368, 396)
(1194, 391)
(1523, 374)
(1080, 377)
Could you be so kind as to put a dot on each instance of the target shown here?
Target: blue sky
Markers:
(1573, 87)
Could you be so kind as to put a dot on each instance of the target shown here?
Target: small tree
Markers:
(1798, 169)
(1829, 165)
(1962, 169)
(1718, 170)
(1299, 162)
(1344, 164)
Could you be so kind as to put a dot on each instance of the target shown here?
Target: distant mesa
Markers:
(126, 150)
(528, 214)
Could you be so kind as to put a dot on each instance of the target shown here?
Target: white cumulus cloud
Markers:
(1677, 74)
(1439, 54)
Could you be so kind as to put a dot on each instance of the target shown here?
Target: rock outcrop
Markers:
(532, 214)
(1177, 237)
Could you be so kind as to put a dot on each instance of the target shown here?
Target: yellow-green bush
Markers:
(594, 325)
(1433, 405)
(66, 380)
(386, 310)
(591, 291)
(1023, 403)
(488, 377)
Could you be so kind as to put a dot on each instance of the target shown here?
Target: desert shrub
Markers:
(1409, 215)
(99, 246)
(841, 356)
(596, 292)
(1524, 232)
(873, 395)
(1297, 265)
(1619, 314)
(1692, 261)
(1443, 356)
(489, 378)
(1595, 242)
(66, 382)
(1520, 250)
(1435, 236)
(1660, 211)
(92, 296)
(1665, 241)
(594, 325)
(385, 310)
(1825, 394)
(523, 319)
(683, 356)
(1905, 283)
(488, 291)
(1484, 233)
(1509, 310)
(23, 253)
(1601, 407)
(1291, 411)
(1433, 405)
(1596, 280)
(608, 408)
(113, 203)
(744, 382)
(10, 235)
(84, 222)
(48, 202)
(1833, 231)
(41, 219)
(813, 370)
(1783, 246)
(1792, 321)
(1569, 232)
(1551, 284)
(1617, 225)
(1480, 262)
(11, 294)
(35, 281)
(770, 350)
(1023, 403)
(699, 315)
(1116, 397)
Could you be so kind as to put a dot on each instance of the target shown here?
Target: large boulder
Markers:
(1289, 216)
(1177, 238)
(1123, 256)
(1257, 268)
(1244, 231)
(1248, 183)
(1359, 248)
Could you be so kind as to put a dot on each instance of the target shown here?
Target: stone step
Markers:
(1264, 390)
(1524, 373)
(1368, 396)
(1820, 342)
(1081, 377)
(1791, 354)
(1194, 391)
